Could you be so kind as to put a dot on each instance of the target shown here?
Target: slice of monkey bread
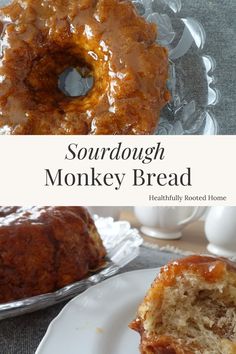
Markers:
(190, 309)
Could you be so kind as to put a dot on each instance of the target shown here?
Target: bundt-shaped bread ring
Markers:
(105, 39)
(45, 248)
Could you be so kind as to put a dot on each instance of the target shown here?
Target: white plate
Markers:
(96, 322)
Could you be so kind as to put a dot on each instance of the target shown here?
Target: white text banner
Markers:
(117, 170)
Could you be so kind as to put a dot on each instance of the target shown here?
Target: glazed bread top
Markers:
(190, 308)
(105, 39)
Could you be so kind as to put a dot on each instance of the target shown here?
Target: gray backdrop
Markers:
(218, 17)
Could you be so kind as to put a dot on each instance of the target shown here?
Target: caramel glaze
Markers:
(41, 38)
(43, 249)
(210, 268)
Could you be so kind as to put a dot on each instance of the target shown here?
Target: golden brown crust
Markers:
(45, 248)
(205, 274)
(42, 38)
(210, 268)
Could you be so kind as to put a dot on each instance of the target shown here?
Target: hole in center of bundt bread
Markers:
(55, 78)
(74, 83)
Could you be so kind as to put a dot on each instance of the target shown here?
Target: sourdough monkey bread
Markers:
(190, 309)
(103, 39)
(43, 249)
